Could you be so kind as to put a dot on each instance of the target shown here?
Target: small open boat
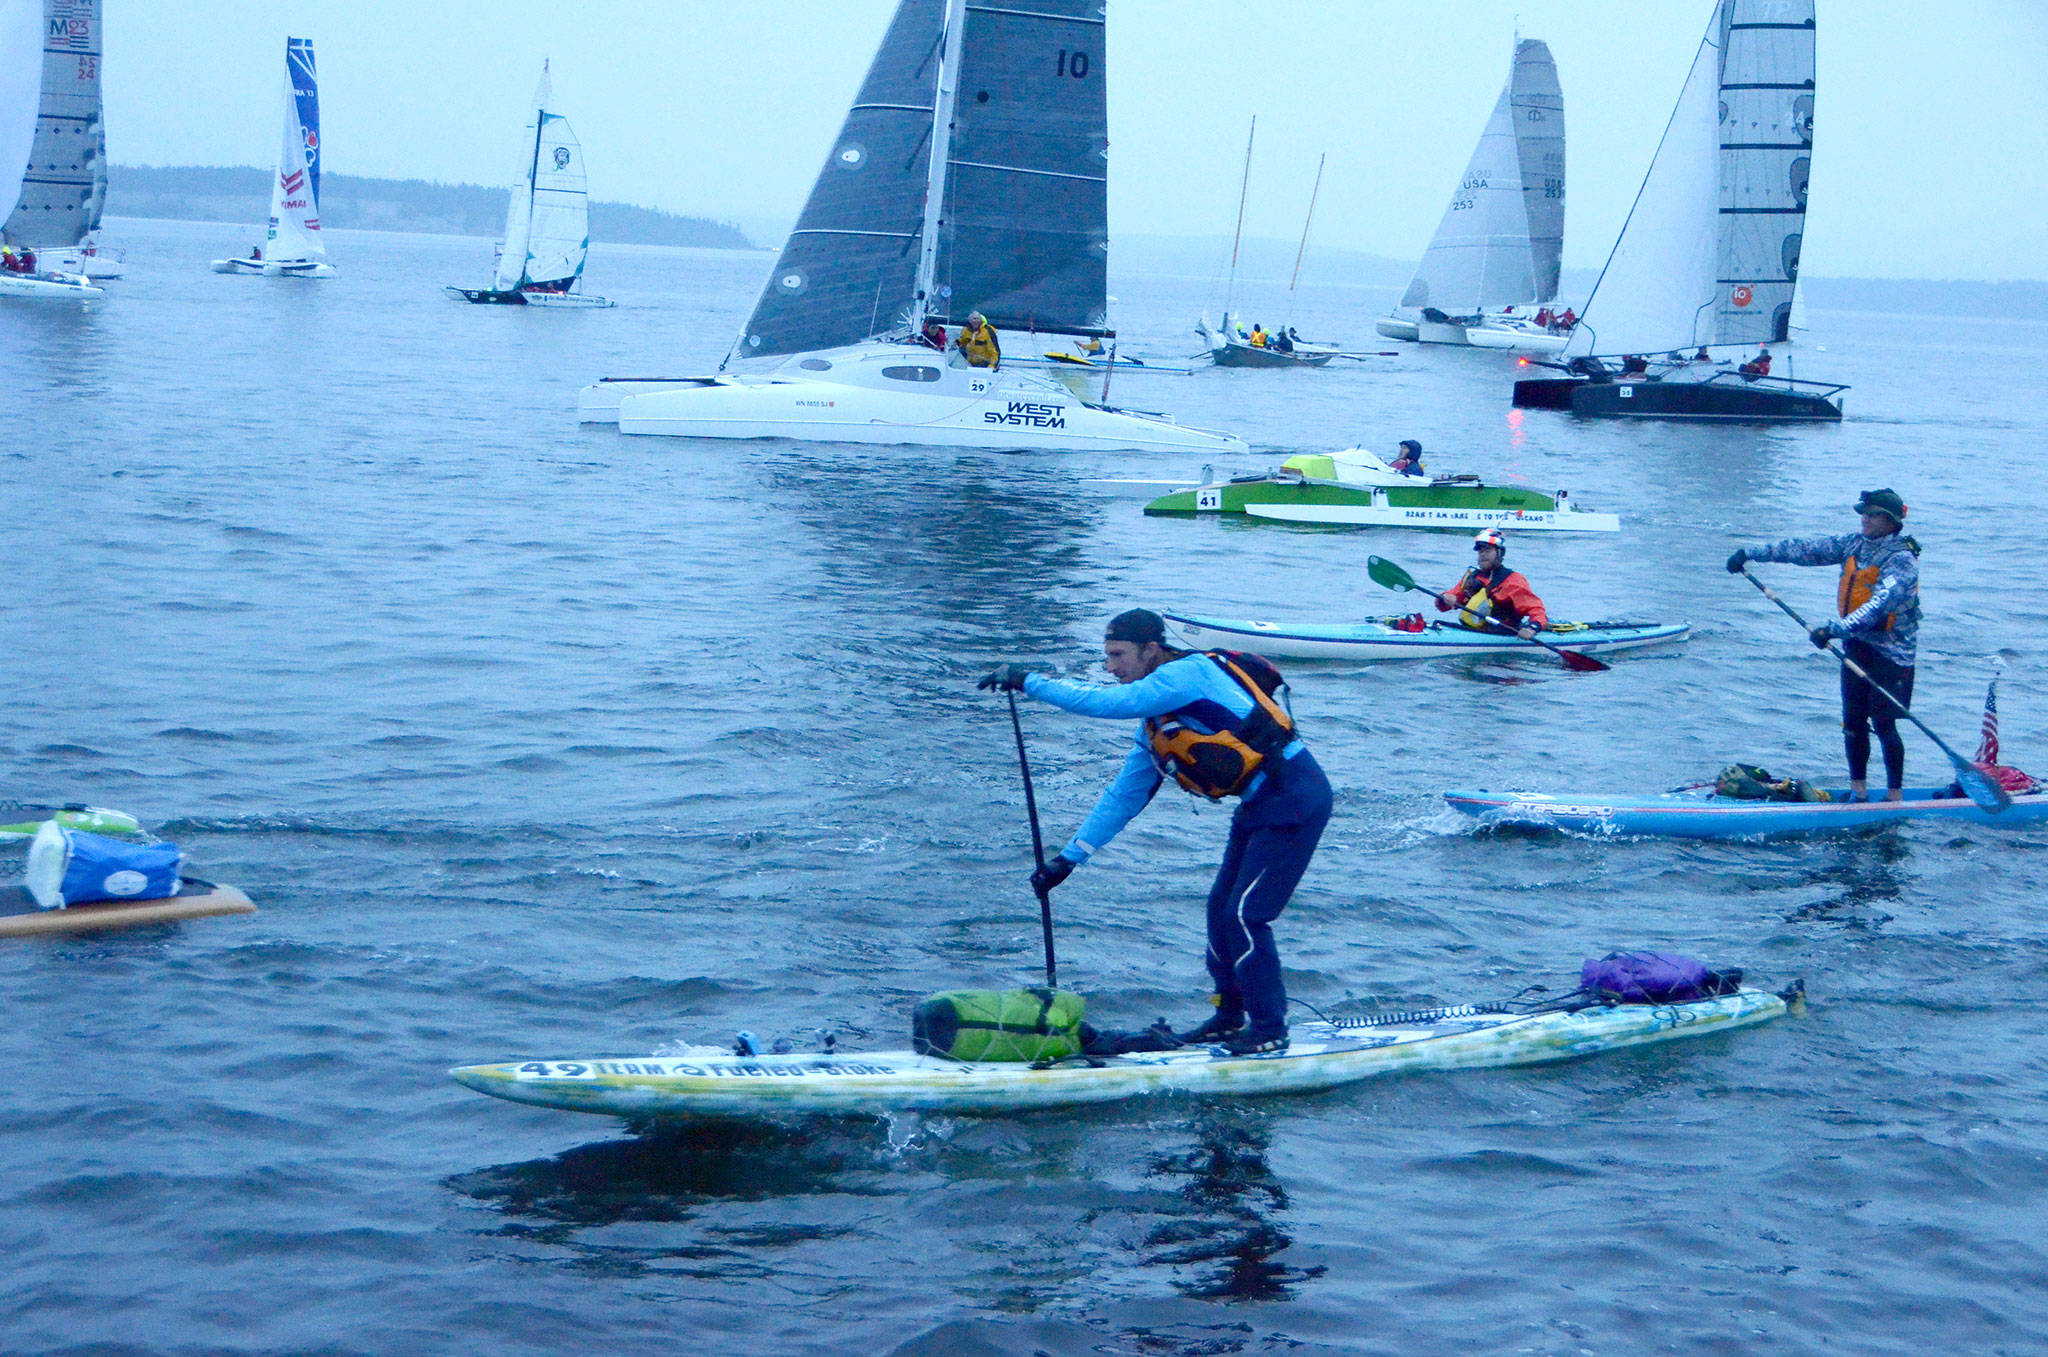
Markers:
(1700, 813)
(1390, 638)
(1356, 487)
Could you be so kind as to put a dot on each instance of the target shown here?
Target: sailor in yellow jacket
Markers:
(978, 342)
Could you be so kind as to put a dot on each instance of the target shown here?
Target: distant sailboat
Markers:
(66, 186)
(1709, 255)
(971, 174)
(1500, 239)
(1229, 346)
(293, 248)
(22, 25)
(547, 224)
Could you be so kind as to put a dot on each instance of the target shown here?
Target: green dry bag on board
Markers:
(1018, 1025)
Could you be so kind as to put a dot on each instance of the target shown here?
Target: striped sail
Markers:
(1022, 218)
(65, 187)
(1024, 234)
(1710, 251)
(1766, 151)
(1538, 104)
(848, 270)
(295, 194)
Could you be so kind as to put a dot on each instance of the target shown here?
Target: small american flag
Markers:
(1987, 738)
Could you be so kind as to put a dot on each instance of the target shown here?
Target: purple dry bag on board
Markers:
(1656, 978)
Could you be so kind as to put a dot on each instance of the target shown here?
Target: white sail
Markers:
(1479, 258)
(21, 88)
(519, 210)
(1657, 292)
(294, 194)
(547, 225)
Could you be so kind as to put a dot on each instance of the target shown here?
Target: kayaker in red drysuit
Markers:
(1879, 627)
(1191, 708)
(1490, 589)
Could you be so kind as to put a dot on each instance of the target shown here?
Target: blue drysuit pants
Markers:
(1272, 838)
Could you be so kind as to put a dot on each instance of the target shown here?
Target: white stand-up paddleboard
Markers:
(1323, 1055)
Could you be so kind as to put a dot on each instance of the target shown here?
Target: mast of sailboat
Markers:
(946, 93)
(540, 122)
(1304, 231)
(1244, 185)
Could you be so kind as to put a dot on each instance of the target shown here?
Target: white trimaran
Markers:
(1500, 238)
(970, 175)
(65, 189)
(547, 223)
(293, 248)
(22, 29)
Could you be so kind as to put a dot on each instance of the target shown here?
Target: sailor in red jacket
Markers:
(1490, 589)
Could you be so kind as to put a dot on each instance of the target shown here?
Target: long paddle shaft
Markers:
(1052, 970)
(1982, 789)
(1385, 572)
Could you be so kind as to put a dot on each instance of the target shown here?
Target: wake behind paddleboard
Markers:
(1323, 1055)
(195, 900)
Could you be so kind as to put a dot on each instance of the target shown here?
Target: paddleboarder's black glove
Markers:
(1007, 678)
(1054, 872)
(1737, 561)
(1820, 636)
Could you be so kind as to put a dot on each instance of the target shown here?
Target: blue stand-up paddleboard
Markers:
(1700, 813)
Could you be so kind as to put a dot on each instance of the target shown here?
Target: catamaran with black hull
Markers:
(970, 175)
(1710, 253)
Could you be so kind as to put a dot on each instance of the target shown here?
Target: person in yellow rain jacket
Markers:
(978, 342)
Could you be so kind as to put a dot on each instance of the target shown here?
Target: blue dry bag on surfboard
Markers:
(72, 867)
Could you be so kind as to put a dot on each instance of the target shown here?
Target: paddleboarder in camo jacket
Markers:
(1199, 716)
(1879, 627)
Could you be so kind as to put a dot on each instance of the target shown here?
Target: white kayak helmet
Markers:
(1490, 537)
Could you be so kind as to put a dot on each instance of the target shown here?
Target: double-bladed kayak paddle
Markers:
(1384, 572)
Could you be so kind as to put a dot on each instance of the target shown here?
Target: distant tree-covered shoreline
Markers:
(351, 202)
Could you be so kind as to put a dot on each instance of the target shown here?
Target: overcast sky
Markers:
(1931, 134)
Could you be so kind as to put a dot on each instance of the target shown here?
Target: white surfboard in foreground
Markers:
(1322, 1056)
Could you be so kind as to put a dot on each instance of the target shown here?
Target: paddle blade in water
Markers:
(1980, 787)
(1582, 664)
(1385, 573)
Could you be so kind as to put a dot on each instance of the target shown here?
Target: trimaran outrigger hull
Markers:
(891, 394)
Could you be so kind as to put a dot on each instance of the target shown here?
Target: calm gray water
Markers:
(531, 739)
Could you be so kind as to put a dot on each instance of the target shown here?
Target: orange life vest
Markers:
(1856, 587)
(1223, 762)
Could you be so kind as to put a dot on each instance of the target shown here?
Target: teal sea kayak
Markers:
(1385, 639)
(1701, 814)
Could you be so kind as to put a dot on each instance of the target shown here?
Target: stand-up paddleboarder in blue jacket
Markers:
(1210, 721)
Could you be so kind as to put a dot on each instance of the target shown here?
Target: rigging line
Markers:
(1243, 188)
(1304, 234)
